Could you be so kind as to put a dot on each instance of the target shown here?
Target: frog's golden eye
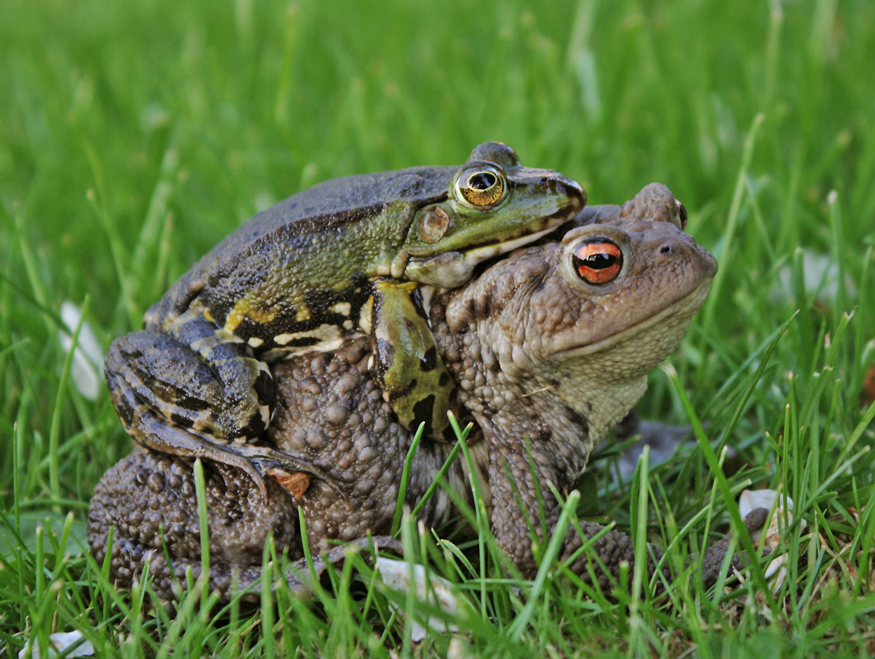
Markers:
(597, 261)
(481, 186)
(682, 213)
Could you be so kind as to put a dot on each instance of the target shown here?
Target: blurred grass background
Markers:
(136, 135)
(252, 101)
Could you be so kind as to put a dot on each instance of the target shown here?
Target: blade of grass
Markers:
(714, 464)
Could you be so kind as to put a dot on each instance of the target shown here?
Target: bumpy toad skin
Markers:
(330, 409)
(654, 203)
(544, 361)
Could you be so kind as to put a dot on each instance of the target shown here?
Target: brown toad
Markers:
(549, 348)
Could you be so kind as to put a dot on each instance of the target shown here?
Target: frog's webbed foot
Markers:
(156, 434)
(197, 392)
(414, 379)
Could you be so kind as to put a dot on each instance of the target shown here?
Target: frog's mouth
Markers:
(452, 269)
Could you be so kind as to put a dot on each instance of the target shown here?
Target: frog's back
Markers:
(328, 206)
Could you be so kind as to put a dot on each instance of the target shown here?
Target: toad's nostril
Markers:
(665, 249)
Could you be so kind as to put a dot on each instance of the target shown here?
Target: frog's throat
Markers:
(452, 269)
(686, 306)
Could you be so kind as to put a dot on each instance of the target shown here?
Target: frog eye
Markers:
(481, 186)
(682, 213)
(597, 261)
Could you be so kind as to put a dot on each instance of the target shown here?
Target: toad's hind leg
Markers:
(148, 506)
(414, 379)
(195, 391)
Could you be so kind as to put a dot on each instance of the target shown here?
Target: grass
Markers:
(134, 136)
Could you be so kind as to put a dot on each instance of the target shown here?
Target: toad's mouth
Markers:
(682, 310)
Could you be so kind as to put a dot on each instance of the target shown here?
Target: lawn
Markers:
(136, 135)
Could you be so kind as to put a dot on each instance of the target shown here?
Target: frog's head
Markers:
(494, 205)
(583, 319)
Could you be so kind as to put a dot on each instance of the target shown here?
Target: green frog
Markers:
(340, 258)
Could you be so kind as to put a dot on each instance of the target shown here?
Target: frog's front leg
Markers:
(414, 379)
(194, 390)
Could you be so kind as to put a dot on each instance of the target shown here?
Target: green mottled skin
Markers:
(321, 239)
(296, 278)
(325, 241)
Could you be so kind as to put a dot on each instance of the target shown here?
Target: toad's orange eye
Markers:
(597, 261)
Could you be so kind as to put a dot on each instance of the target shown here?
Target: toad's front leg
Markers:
(195, 390)
(518, 523)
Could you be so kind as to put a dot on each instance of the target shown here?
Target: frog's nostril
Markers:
(575, 187)
(570, 188)
(665, 249)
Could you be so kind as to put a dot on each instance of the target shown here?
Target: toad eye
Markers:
(597, 261)
(682, 213)
(481, 186)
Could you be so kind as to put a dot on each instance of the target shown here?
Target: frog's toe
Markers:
(282, 466)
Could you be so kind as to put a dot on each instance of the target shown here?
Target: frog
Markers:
(548, 347)
(343, 257)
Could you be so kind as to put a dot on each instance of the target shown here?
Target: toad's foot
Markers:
(601, 562)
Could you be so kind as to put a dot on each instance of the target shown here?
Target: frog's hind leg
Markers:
(414, 379)
(152, 432)
(195, 395)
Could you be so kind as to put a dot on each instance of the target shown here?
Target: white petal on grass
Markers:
(396, 575)
(750, 500)
(821, 277)
(87, 358)
(60, 642)
(776, 571)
